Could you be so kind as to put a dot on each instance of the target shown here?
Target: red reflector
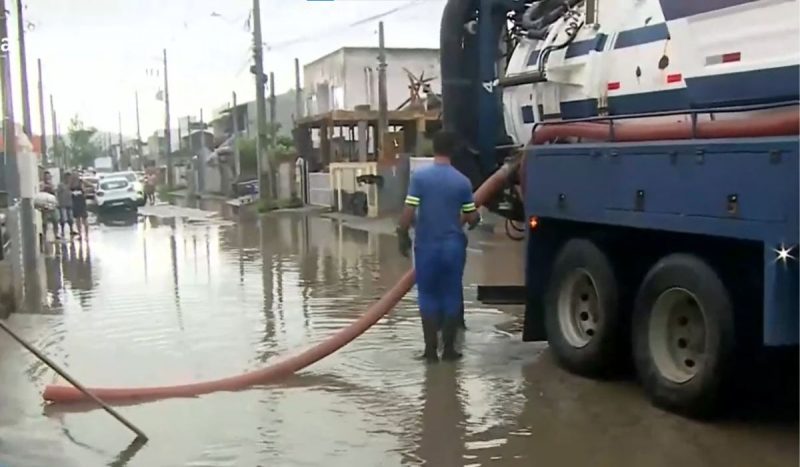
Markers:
(731, 57)
(613, 86)
(674, 78)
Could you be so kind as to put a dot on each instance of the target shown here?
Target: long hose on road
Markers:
(286, 366)
(781, 123)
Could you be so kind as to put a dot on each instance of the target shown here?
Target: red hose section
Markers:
(285, 366)
(776, 124)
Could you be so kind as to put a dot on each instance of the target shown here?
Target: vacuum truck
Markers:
(658, 185)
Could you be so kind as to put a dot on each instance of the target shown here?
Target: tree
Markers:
(284, 149)
(247, 156)
(82, 148)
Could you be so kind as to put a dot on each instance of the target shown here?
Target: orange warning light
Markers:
(533, 222)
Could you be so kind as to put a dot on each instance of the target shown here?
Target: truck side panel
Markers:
(743, 189)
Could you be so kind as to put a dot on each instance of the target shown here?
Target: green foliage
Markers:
(82, 149)
(247, 155)
(284, 149)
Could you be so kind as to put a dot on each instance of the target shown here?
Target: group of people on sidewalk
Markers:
(70, 208)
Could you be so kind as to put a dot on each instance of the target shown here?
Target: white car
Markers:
(116, 193)
(132, 178)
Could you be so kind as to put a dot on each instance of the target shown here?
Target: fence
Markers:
(350, 195)
(320, 191)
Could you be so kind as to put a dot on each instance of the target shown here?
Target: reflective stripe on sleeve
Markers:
(412, 200)
(468, 207)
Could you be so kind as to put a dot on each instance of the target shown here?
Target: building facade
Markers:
(348, 77)
(222, 125)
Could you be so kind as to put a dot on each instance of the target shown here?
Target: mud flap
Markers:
(502, 294)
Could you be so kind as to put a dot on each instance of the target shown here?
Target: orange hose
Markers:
(283, 367)
(782, 123)
(785, 123)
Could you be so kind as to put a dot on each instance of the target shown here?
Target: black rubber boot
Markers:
(430, 329)
(449, 332)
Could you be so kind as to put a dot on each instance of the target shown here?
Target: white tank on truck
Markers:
(622, 57)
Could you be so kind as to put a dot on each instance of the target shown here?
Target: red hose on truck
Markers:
(285, 366)
(778, 124)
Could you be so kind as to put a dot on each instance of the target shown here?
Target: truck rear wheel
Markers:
(581, 310)
(683, 335)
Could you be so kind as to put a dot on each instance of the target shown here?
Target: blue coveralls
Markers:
(440, 193)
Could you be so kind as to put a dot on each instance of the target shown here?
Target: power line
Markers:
(338, 30)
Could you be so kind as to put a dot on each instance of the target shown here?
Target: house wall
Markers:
(284, 113)
(349, 77)
(361, 75)
(324, 83)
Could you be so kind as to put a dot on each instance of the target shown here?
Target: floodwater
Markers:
(177, 296)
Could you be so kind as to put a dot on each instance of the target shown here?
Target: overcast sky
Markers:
(96, 53)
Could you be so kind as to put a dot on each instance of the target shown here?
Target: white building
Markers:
(284, 115)
(348, 77)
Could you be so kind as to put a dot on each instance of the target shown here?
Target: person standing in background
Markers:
(64, 198)
(79, 211)
(150, 188)
(49, 216)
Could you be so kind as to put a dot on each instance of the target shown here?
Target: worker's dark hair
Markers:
(444, 143)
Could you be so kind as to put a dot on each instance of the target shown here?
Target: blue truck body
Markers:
(742, 189)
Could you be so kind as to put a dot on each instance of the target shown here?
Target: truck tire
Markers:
(582, 310)
(683, 335)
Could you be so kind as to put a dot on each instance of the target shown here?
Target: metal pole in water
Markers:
(139, 433)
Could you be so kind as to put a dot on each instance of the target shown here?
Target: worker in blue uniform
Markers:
(438, 204)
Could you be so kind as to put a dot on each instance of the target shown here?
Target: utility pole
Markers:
(9, 126)
(167, 139)
(272, 111)
(17, 187)
(23, 72)
(383, 117)
(273, 135)
(42, 120)
(201, 156)
(138, 135)
(29, 176)
(298, 112)
(298, 92)
(56, 147)
(237, 162)
(265, 164)
(119, 153)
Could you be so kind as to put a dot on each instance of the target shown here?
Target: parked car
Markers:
(132, 178)
(116, 193)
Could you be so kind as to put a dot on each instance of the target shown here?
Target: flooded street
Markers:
(165, 300)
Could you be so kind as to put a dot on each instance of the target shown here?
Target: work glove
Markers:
(477, 223)
(404, 242)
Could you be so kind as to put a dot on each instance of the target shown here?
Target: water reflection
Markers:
(441, 437)
(180, 296)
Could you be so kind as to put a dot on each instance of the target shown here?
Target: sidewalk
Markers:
(490, 224)
(185, 194)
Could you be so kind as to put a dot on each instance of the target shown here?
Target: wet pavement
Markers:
(181, 295)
